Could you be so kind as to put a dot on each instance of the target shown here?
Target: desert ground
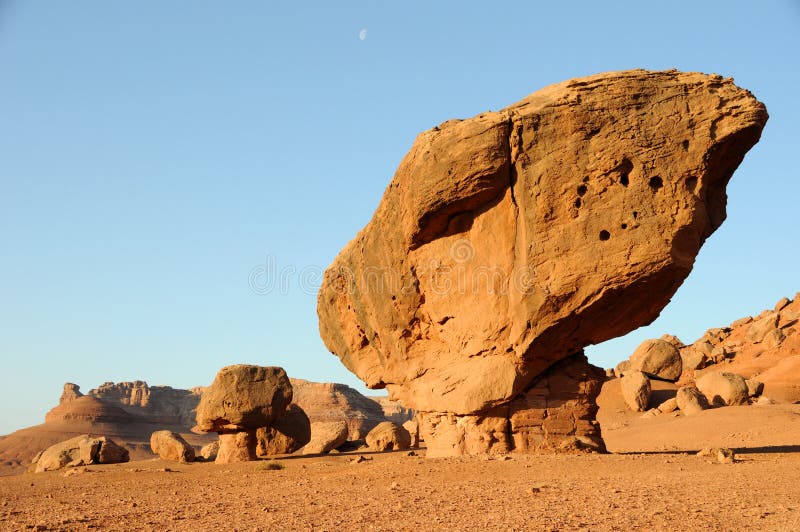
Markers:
(391, 491)
(669, 487)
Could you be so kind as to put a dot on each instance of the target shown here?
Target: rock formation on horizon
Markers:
(507, 242)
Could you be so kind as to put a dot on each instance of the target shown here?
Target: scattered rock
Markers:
(636, 390)
(722, 388)
(325, 436)
(659, 359)
(670, 405)
(690, 400)
(286, 435)
(692, 359)
(171, 446)
(773, 338)
(80, 451)
(388, 436)
(413, 430)
(759, 330)
(209, 451)
(754, 387)
(721, 455)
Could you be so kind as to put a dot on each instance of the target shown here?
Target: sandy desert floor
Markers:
(397, 491)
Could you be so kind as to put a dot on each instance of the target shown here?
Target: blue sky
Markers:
(154, 153)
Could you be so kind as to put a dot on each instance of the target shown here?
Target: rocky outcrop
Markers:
(171, 446)
(329, 401)
(242, 399)
(79, 451)
(388, 436)
(509, 241)
(162, 404)
(71, 391)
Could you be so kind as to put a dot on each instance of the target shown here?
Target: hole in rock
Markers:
(635, 215)
(691, 183)
(604, 235)
(685, 145)
(624, 170)
(624, 226)
(581, 190)
(586, 179)
(578, 203)
(656, 182)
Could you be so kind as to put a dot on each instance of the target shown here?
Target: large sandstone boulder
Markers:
(636, 390)
(244, 397)
(171, 446)
(511, 240)
(79, 451)
(326, 436)
(659, 359)
(723, 389)
(388, 436)
(286, 435)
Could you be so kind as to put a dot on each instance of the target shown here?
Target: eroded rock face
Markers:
(508, 241)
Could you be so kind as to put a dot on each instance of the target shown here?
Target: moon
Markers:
(362, 34)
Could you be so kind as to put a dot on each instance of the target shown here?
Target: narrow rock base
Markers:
(555, 414)
(237, 447)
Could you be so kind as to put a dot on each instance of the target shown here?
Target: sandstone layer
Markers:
(511, 240)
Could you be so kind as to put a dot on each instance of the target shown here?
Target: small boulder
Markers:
(286, 435)
(209, 451)
(721, 455)
(622, 367)
(690, 400)
(764, 400)
(413, 430)
(388, 436)
(636, 390)
(659, 359)
(80, 451)
(783, 303)
(674, 340)
(759, 329)
(723, 389)
(171, 446)
(692, 359)
(773, 339)
(754, 387)
(670, 405)
(326, 436)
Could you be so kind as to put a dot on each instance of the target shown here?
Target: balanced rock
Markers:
(326, 436)
(171, 446)
(636, 390)
(79, 451)
(723, 389)
(242, 399)
(388, 436)
(511, 240)
(690, 400)
(659, 359)
(286, 435)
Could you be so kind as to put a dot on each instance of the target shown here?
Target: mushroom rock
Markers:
(511, 240)
(242, 399)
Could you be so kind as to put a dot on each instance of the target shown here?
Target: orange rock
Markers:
(511, 240)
